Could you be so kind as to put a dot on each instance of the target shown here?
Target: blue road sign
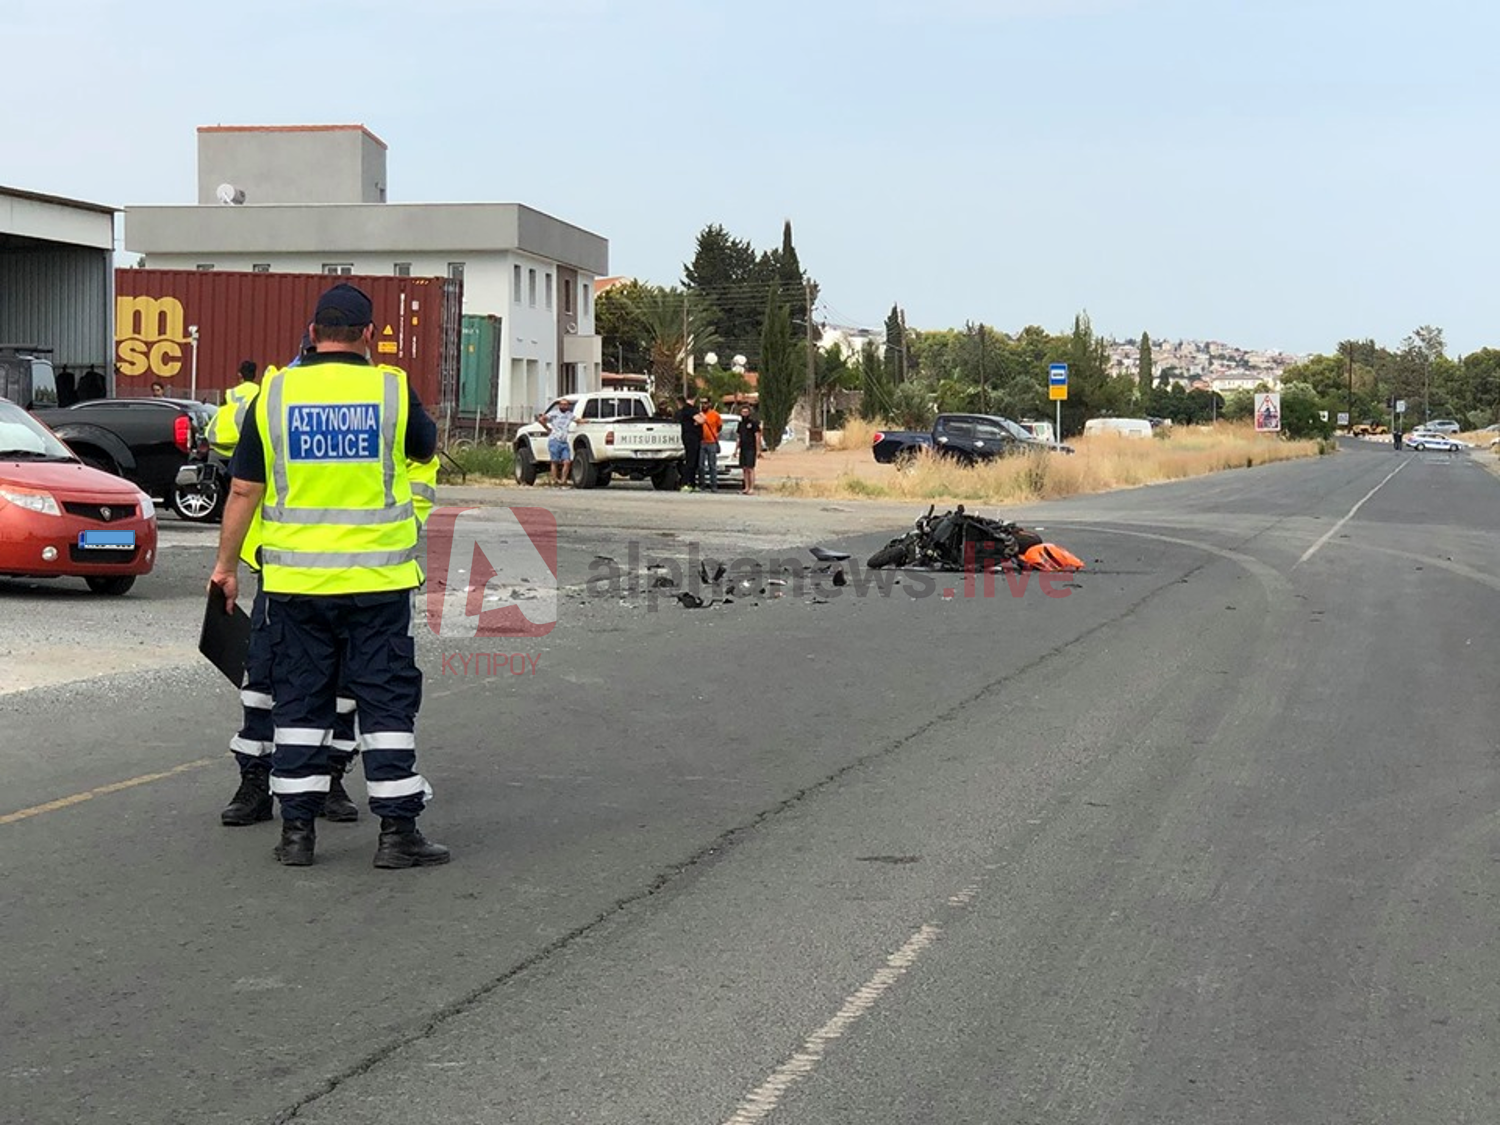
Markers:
(1057, 375)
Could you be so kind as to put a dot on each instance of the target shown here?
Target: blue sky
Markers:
(1267, 173)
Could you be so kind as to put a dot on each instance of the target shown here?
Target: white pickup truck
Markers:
(614, 434)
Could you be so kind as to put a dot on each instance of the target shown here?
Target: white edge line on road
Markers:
(767, 1096)
(1332, 531)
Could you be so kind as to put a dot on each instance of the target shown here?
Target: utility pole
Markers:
(814, 425)
(1426, 382)
(983, 399)
(687, 359)
(904, 345)
(1349, 406)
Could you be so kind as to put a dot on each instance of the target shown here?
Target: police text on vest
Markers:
(342, 432)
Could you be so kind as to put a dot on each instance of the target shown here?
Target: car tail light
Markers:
(609, 437)
(877, 439)
(182, 432)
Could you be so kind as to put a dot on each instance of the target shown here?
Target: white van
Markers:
(1121, 427)
(1042, 431)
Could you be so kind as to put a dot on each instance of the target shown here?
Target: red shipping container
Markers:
(261, 317)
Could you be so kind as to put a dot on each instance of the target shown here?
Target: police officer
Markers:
(252, 746)
(323, 458)
(224, 429)
(254, 743)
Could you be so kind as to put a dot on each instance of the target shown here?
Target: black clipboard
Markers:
(225, 639)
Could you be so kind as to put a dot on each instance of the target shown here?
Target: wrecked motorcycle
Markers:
(956, 540)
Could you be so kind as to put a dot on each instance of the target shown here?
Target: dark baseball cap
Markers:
(344, 306)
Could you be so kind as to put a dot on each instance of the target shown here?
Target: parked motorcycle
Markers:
(944, 542)
(202, 486)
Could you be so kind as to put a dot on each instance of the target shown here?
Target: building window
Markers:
(568, 295)
(261, 267)
(531, 287)
(402, 269)
(205, 266)
(338, 267)
(456, 271)
(584, 289)
(549, 290)
(515, 282)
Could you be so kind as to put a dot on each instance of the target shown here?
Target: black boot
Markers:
(401, 845)
(252, 800)
(297, 840)
(338, 807)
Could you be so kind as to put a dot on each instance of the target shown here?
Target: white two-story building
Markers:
(312, 199)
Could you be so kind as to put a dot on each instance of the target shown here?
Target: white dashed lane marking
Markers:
(1334, 530)
(763, 1100)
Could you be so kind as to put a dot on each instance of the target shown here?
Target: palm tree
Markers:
(678, 324)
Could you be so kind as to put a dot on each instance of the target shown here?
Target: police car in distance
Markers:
(1422, 440)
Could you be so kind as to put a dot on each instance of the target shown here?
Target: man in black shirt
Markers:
(692, 440)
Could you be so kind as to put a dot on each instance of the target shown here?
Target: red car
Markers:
(59, 518)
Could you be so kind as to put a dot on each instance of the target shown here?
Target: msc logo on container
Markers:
(149, 335)
(491, 572)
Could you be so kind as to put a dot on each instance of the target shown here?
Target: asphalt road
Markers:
(1210, 839)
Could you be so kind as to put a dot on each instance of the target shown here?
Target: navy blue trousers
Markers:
(256, 740)
(360, 644)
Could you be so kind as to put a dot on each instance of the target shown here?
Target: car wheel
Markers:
(667, 480)
(199, 505)
(114, 585)
(907, 460)
(525, 465)
(584, 474)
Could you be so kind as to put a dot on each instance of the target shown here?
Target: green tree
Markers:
(781, 381)
(911, 407)
(719, 383)
(1299, 412)
(1091, 391)
(794, 284)
(1239, 406)
(895, 347)
(625, 338)
(1482, 372)
(725, 271)
(1146, 367)
(875, 384)
(677, 324)
(833, 375)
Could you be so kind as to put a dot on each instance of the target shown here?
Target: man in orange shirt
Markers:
(708, 418)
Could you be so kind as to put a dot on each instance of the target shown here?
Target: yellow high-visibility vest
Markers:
(229, 420)
(423, 497)
(424, 476)
(338, 514)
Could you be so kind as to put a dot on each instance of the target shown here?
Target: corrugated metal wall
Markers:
(261, 317)
(60, 298)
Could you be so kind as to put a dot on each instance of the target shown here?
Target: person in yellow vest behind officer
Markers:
(224, 429)
(323, 459)
(254, 742)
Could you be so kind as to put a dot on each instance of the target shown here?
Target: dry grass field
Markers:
(1099, 465)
